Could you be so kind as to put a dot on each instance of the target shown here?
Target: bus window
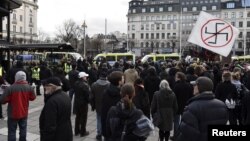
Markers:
(54, 57)
(110, 58)
(158, 58)
(125, 58)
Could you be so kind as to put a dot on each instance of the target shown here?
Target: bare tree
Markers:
(97, 44)
(69, 32)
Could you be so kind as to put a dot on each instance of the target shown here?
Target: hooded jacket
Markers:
(18, 96)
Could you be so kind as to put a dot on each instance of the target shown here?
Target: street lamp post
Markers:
(84, 25)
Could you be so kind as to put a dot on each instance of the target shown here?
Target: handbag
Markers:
(157, 116)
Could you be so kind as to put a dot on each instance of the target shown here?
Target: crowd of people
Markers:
(176, 95)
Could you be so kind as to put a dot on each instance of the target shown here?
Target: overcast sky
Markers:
(52, 13)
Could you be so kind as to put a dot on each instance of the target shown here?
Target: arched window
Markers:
(162, 45)
(142, 44)
(168, 44)
(147, 44)
(157, 45)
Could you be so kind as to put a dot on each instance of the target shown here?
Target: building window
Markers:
(157, 35)
(147, 18)
(230, 5)
(152, 10)
(214, 7)
(240, 24)
(14, 28)
(203, 8)
(152, 27)
(163, 26)
(226, 15)
(233, 23)
(30, 19)
(175, 17)
(142, 27)
(129, 11)
(162, 35)
(240, 45)
(248, 34)
(21, 18)
(248, 23)
(233, 15)
(147, 37)
(163, 17)
(142, 35)
(152, 35)
(147, 26)
(248, 14)
(21, 29)
(142, 18)
(168, 35)
(161, 9)
(152, 18)
(133, 27)
(142, 45)
(14, 16)
(170, 8)
(184, 9)
(30, 30)
(158, 18)
(133, 35)
(157, 26)
(201, 2)
(174, 35)
(162, 45)
(240, 35)
(174, 25)
(133, 11)
(128, 27)
(241, 14)
(194, 8)
(143, 10)
(168, 26)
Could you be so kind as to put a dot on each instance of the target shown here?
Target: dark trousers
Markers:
(164, 135)
(12, 126)
(1, 111)
(81, 119)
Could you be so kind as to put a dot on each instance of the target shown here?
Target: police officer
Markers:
(67, 66)
(35, 76)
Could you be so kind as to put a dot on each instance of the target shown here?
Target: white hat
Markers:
(82, 74)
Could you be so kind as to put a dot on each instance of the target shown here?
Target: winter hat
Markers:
(20, 76)
(53, 80)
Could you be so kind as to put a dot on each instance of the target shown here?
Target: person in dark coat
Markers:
(164, 102)
(151, 83)
(55, 121)
(65, 82)
(73, 77)
(10, 77)
(124, 114)
(111, 97)
(246, 109)
(98, 89)
(226, 90)
(183, 92)
(93, 74)
(202, 110)
(82, 93)
(141, 99)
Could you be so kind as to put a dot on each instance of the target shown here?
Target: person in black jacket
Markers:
(82, 92)
(183, 92)
(54, 121)
(73, 77)
(202, 110)
(141, 99)
(123, 117)
(111, 97)
(226, 90)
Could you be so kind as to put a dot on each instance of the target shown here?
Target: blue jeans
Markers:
(98, 124)
(177, 119)
(12, 126)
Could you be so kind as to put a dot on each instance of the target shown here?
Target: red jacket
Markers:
(18, 96)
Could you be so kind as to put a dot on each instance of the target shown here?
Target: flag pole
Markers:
(245, 21)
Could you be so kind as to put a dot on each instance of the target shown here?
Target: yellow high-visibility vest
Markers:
(1, 71)
(35, 73)
(67, 68)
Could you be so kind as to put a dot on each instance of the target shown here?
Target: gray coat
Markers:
(168, 107)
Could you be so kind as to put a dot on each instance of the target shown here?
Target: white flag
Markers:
(213, 34)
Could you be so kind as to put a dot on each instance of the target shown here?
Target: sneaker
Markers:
(99, 137)
(85, 134)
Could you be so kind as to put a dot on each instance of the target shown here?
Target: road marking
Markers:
(30, 136)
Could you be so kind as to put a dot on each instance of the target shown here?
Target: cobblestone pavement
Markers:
(33, 124)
